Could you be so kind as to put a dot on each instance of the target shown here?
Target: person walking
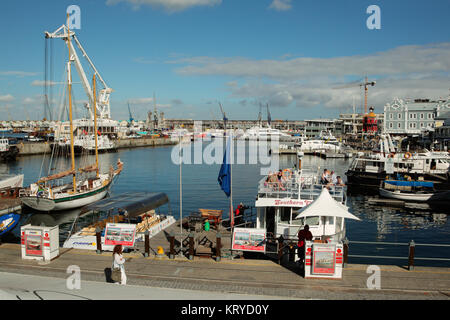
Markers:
(118, 264)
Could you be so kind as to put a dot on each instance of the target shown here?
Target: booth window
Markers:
(312, 221)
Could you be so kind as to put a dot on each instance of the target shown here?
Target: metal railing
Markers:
(411, 252)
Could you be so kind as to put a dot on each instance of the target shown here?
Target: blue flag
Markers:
(224, 177)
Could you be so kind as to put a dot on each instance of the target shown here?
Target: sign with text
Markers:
(323, 259)
(247, 239)
(120, 233)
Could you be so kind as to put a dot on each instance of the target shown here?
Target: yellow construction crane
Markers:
(366, 83)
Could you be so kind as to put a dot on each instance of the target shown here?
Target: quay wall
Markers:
(34, 148)
(143, 142)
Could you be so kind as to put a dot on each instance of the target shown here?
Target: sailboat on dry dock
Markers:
(47, 194)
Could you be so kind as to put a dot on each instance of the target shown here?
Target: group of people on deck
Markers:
(277, 180)
(331, 179)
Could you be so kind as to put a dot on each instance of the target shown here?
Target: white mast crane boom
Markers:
(103, 107)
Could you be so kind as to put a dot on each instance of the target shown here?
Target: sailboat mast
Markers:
(69, 89)
(95, 123)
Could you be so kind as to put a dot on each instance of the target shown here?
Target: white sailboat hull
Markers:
(70, 202)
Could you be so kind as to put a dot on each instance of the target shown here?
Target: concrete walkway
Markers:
(262, 278)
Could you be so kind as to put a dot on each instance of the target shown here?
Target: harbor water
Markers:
(153, 169)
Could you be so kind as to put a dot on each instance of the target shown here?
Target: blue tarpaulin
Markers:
(428, 184)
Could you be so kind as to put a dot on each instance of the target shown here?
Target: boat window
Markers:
(312, 221)
(297, 222)
(285, 214)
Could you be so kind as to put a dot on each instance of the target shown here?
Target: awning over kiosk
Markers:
(134, 203)
(326, 206)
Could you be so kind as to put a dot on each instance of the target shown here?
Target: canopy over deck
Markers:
(326, 206)
(134, 203)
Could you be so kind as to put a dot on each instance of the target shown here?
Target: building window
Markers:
(421, 116)
(391, 125)
(399, 125)
(391, 116)
(429, 116)
(421, 124)
(399, 115)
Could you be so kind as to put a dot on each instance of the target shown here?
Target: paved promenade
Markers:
(223, 280)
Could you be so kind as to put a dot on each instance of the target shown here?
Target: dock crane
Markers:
(224, 117)
(131, 116)
(103, 107)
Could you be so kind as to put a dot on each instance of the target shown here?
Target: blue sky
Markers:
(193, 53)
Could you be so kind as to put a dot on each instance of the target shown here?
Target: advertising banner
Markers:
(120, 233)
(249, 239)
(324, 259)
(33, 242)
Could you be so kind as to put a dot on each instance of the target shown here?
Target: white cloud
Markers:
(41, 83)
(413, 71)
(140, 100)
(403, 59)
(281, 5)
(6, 98)
(168, 5)
(18, 74)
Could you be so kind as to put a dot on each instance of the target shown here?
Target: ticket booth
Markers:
(323, 260)
(39, 242)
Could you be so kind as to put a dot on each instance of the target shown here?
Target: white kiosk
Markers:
(39, 242)
(326, 220)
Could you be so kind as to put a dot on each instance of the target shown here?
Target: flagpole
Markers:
(181, 202)
(231, 182)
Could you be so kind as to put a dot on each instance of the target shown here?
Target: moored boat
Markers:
(414, 191)
(139, 211)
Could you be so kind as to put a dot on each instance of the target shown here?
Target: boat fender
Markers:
(391, 155)
(407, 155)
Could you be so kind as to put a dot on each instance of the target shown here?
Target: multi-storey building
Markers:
(409, 117)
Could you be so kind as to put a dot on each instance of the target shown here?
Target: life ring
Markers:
(407, 155)
(289, 173)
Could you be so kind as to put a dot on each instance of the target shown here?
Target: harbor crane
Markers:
(225, 119)
(364, 84)
(103, 107)
(131, 116)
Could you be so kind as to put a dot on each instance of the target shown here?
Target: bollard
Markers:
(98, 234)
(147, 243)
(191, 246)
(218, 246)
(345, 260)
(412, 246)
(280, 249)
(172, 246)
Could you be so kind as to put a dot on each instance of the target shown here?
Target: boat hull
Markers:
(70, 202)
(419, 197)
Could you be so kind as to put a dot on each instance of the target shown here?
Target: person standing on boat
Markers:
(118, 262)
(303, 235)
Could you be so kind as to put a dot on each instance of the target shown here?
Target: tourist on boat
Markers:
(333, 178)
(339, 182)
(325, 177)
(303, 235)
(118, 263)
